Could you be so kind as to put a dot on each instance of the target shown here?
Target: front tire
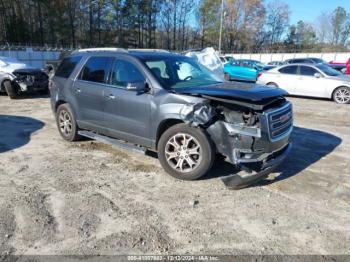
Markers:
(185, 152)
(11, 89)
(341, 95)
(67, 126)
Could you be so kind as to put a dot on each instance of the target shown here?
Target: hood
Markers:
(9, 68)
(28, 70)
(241, 91)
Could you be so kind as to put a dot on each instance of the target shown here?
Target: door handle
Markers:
(78, 90)
(111, 96)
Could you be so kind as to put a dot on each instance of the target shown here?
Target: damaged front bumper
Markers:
(250, 176)
(256, 147)
(251, 148)
(26, 86)
(30, 81)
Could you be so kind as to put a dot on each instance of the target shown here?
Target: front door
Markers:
(287, 78)
(127, 112)
(88, 92)
(310, 85)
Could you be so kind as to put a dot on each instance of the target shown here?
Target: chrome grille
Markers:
(280, 122)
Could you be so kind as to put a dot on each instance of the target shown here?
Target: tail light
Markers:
(259, 74)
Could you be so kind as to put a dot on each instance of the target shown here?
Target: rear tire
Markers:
(11, 90)
(185, 152)
(66, 124)
(341, 95)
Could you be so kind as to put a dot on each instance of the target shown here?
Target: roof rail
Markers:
(148, 50)
(102, 49)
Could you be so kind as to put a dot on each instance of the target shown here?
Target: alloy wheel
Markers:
(183, 152)
(65, 122)
(342, 95)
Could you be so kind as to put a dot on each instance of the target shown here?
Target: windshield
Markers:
(180, 72)
(328, 70)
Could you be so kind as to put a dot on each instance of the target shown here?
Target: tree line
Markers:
(248, 25)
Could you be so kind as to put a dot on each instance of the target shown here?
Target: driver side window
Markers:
(124, 73)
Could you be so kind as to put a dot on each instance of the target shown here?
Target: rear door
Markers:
(308, 84)
(287, 78)
(127, 112)
(89, 90)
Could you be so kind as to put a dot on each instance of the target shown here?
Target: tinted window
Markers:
(67, 66)
(96, 69)
(307, 71)
(292, 70)
(124, 72)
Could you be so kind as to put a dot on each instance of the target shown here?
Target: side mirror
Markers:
(317, 75)
(137, 86)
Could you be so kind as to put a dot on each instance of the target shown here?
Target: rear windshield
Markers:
(328, 70)
(67, 66)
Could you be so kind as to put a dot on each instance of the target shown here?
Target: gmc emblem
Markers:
(284, 118)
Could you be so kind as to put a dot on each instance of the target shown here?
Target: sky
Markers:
(309, 10)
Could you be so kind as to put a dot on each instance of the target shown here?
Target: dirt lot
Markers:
(89, 198)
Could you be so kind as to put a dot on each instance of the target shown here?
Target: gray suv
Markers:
(168, 103)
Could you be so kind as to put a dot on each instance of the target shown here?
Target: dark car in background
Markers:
(169, 103)
(305, 60)
(314, 60)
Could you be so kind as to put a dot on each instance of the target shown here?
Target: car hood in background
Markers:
(9, 68)
(243, 91)
(29, 70)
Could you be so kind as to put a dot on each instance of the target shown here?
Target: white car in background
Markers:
(318, 80)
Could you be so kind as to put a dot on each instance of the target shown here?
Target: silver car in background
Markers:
(318, 80)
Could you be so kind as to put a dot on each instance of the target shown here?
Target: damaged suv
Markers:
(170, 104)
(17, 77)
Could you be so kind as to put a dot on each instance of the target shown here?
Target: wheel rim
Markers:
(342, 95)
(183, 153)
(65, 122)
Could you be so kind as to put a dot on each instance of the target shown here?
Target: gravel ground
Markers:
(88, 198)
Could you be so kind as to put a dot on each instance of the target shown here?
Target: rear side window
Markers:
(307, 71)
(67, 66)
(96, 69)
(291, 70)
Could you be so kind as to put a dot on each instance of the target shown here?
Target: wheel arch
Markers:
(271, 82)
(58, 103)
(332, 94)
(164, 125)
(2, 87)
